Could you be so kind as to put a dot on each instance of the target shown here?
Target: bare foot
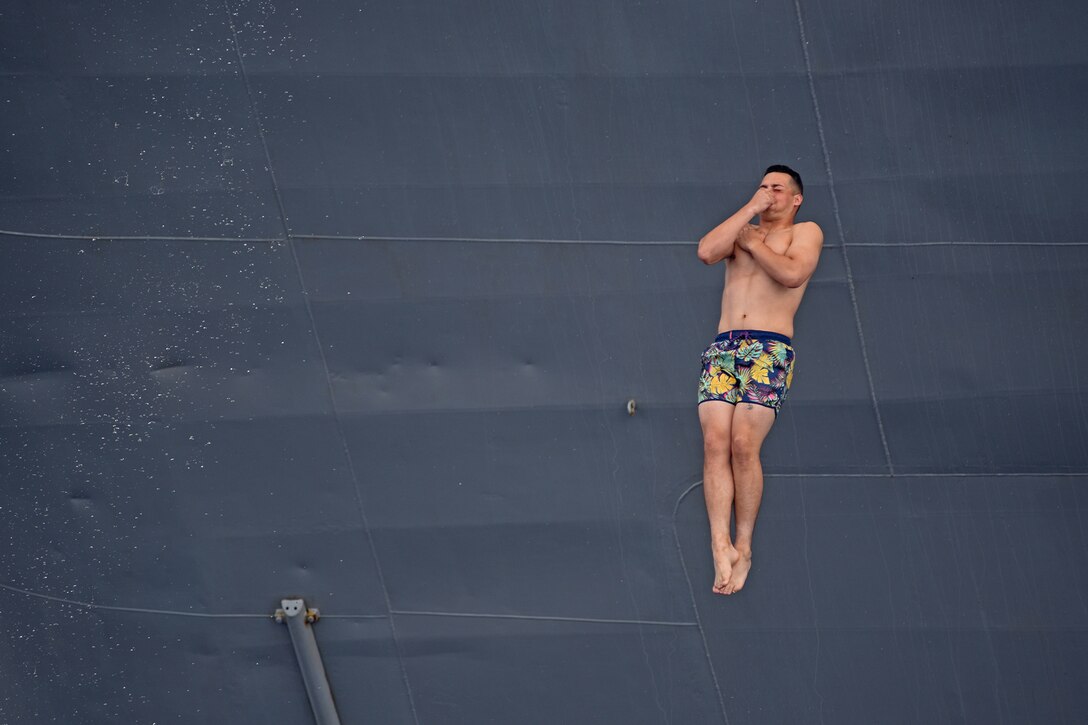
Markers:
(738, 573)
(724, 560)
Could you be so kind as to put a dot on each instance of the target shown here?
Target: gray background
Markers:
(345, 300)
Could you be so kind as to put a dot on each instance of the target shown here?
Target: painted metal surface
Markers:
(416, 258)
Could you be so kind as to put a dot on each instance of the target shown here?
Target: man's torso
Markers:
(752, 299)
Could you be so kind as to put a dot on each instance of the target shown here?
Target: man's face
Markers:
(786, 196)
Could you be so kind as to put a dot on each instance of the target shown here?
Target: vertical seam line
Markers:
(694, 603)
(842, 236)
(324, 365)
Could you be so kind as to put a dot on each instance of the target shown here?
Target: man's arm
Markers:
(793, 268)
(718, 242)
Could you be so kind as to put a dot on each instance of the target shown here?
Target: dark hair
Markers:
(780, 169)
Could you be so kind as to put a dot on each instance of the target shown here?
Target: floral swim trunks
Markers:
(747, 366)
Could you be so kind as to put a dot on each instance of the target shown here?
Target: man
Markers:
(748, 369)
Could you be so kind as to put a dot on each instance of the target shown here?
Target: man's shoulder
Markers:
(808, 231)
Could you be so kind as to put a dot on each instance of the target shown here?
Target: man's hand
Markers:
(796, 266)
(719, 242)
(750, 235)
(761, 201)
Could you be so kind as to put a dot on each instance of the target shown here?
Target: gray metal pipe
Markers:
(298, 619)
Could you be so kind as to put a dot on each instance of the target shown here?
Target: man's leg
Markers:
(750, 426)
(716, 417)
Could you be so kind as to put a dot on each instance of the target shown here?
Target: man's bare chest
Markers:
(743, 263)
(779, 242)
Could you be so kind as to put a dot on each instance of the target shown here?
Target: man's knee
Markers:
(744, 446)
(716, 445)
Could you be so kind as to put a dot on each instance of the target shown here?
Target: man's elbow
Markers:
(794, 281)
(704, 254)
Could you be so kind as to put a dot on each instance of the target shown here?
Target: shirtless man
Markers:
(748, 369)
